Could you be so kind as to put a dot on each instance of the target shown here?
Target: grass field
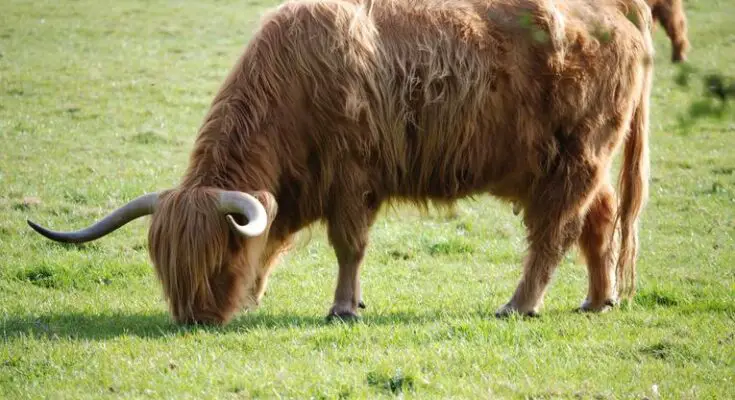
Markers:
(100, 103)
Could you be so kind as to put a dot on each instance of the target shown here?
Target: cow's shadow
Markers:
(87, 326)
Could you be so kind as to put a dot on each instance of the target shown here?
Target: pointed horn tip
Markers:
(35, 226)
(48, 234)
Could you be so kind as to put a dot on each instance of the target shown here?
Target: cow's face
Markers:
(211, 261)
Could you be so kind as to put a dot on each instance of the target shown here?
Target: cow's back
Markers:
(471, 95)
(421, 99)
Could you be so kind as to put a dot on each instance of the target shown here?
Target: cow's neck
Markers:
(231, 151)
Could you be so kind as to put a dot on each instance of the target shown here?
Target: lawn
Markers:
(100, 103)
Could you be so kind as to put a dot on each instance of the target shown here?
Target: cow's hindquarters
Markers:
(554, 219)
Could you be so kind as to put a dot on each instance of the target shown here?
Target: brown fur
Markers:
(207, 272)
(670, 14)
(337, 107)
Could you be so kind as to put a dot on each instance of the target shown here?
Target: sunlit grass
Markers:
(100, 103)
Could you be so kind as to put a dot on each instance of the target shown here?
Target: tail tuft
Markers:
(634, 171)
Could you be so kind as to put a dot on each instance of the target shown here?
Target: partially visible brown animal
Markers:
(337, 107)
(670, 14)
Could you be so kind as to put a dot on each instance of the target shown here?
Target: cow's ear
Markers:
(269, 202)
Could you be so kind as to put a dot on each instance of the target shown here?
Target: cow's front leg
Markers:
(350, 250)
(348, 227)
(347, 295)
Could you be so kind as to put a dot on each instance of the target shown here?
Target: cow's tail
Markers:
(634, 173)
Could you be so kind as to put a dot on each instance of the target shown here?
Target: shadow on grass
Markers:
(79, 325)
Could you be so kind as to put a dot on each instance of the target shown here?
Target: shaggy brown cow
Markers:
(670, 13)
(337, 107)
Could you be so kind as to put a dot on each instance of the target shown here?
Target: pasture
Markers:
(100, 103)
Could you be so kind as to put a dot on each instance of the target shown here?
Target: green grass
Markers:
(100, 103)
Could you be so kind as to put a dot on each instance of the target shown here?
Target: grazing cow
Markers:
(670, 13)
(338, 107)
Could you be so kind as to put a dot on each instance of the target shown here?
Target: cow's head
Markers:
(209, 246)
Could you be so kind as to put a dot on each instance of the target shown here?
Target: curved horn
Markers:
(136, 208)
(243, 203)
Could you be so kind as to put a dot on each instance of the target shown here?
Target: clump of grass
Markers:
(396, 382)
(450, 247)
(90, 321)
(40, 276)
(653, 298)
(149, 138)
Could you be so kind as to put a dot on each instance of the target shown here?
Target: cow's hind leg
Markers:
(553, 217)
(672, 17)
(348, 227)
(545, 253)
(600, 249)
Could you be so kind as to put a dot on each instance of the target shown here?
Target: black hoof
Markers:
(606, 306)
(361, 304)
(505, 313)
(343, 317)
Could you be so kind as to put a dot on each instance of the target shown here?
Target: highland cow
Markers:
(337, 108)
(670, 14)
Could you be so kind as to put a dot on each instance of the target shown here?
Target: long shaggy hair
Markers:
(337, 106)
(206, 271)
